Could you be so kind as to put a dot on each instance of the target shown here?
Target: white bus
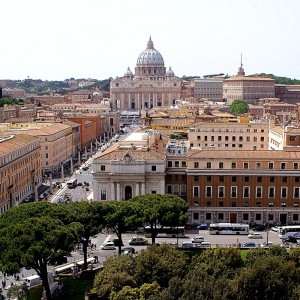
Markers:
(172, 232)
(287, 231)
(228, 228)
(72, 183)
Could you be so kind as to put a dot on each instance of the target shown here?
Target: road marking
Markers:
(107, 239)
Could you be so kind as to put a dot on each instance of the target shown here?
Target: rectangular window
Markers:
(233, 165)
(196, 216)
(169, 189)
(257, 165)
(271, 193)
(221, 191)
(153, 168)
(169, 164)
(176, 189)
(257, 217)
(183, 190)
(246, 191)
(221, 165)
(283, 166)
(221, 178)
(296, 166)
(297, 179)
(111, 121)
(219, 138)
(245, 217)
(196, 165)
(296, 192)
(176, 164)
(233, 178)
(221, 216)
(284, 179)
(284, 191)
(247, 178)
(208, 191)
(226, 138)
(208, 165)
(259, 179)
(196, 191)
(246, 165)
(272, 179)
(208, 178)
(102, 167)
(233, 191)
(183, 164)
(208, 216)
(103, 194)
(196, 178)
(258, 192)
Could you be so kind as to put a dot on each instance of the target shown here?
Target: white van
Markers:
(32, 280)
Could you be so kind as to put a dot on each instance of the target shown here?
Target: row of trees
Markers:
(165, 273)
(36, 234)
(10, 101)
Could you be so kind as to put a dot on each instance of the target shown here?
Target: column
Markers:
(118, 191)
(50, 180)
(71, 165)
(62, 173)
(112, 191)
(137, 189)
(79, 158)
(143, 188)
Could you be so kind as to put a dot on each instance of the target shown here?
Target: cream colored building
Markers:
(150, 86)
(56, 142)
(131, 168)
(20, 169)
(13, 93)
(208, 88)
(229, 136)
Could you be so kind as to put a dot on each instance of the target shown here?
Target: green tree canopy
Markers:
(238, 107)
(160, 211)
(33, 241)
(122, 216)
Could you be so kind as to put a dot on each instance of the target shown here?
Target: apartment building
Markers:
(56, 142)
(13, 93)
(227, 136)
(288, 93)
(208, 88)
(20, 169)
(248, 88)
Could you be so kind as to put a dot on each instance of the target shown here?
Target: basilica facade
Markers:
(150, 86)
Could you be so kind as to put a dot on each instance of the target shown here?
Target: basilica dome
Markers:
(150, 63)
(150, 56)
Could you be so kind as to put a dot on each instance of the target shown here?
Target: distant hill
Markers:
(280, 79)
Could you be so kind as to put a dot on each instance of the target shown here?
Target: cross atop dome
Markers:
(150, 44)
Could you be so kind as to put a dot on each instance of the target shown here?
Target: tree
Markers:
(33, 242)
(239, 107)
(162, 210)
(91, 217)
(160, 264)
(270, 277)
(122, 216)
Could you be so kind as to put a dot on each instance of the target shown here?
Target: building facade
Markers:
(150, 86)
(208, 88)
(20, 169)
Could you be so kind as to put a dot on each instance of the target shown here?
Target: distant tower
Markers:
(241, 71)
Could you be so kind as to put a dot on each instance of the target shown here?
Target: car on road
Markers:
(187, 245)
(79, 183)
(259, 227)
(197, 239)
(128, 250)
(248, 245)
(255, 235)
(136, 240)
(267, 245)
(117, 242)
(291, 239)
(109, 245)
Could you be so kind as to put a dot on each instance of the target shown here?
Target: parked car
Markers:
(128, 250)
(205, 245)
(267, 245)
(197, 239)
(248, 245)
(291, 239)
(202, 227)
(79, 183)
(255, 235)
(259, 227)
(187, 245)
(135, 241)
(109, 245)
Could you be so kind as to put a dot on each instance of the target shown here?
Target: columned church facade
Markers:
(149, 87)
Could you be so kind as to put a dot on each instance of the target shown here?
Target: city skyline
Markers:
(57, 41)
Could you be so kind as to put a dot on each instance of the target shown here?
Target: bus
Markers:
(228, 228)
(72, 183)
(287, 231)
(66, 268)
(170, 232)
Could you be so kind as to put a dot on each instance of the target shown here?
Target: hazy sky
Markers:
(59, 39)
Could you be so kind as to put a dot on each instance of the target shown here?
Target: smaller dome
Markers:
(170, 72)
(128, 72)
